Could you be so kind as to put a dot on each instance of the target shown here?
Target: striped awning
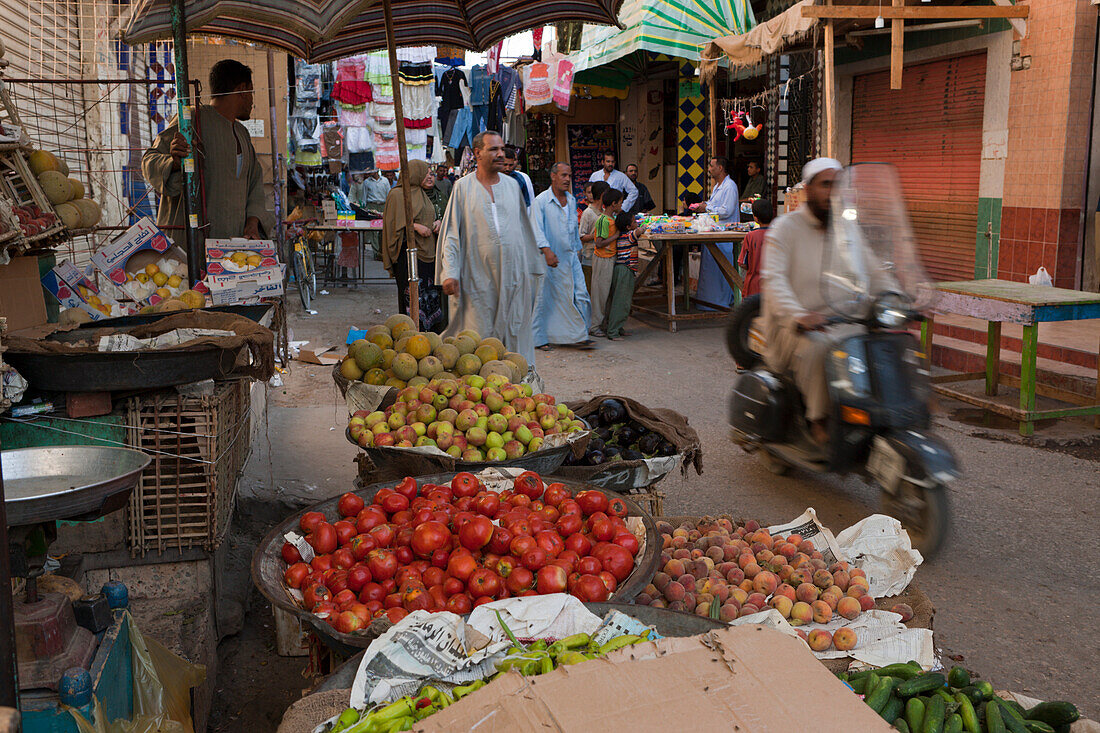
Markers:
(325, 30)
(677, 28)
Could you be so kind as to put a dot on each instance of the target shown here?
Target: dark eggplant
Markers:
(632, 455)
(649, 443)
(611, 412)
(594, 458)
(626, 436)
(595, 443)
(611, 451)
(603, 432)
(667, 449)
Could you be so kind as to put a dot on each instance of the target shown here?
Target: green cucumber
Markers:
(954, 724)
(1054, 713)
(1037, 726)
(958, 677)
(934, 711)
(993, 722)
(973, 693)
(901, 726)
(894, 707)
(968, 714)
(926, 682)
(914, 713)
(881, 694)
(858, 686)
(985, 687)
(1013, 720)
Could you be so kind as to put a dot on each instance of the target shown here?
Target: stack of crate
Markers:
(199, 445)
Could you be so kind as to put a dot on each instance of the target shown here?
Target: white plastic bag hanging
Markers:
(1041, 277)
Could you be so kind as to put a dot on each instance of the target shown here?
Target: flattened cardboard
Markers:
(22, 299)
(744, 678)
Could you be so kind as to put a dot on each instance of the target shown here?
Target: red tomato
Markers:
(321, 563)
(549, 514)
(529, 484)
(505, 565)
(389, 585)
(290, 554)
(591, 589)
(618, 561)
(345, 530)
(519, 580)
(484, 582)
(555, 494)
(407, 488)
(403, 537)
(392, 600)
(310, 520)
(326, 610)
(314, 594)
(441, 557)
(487, 503)
(464, 504)
(459, 603)
(343, 559)
(439, 497)
(382, 535)
(501, 540)
(569, 524)
(551, 579)
(429, 537)
(408, 575)
(627, 541)
(460, 519)
(393, 503)
(589, 565)
(534, 559)
(476, 533)
(337, 580)
(439, 598)
(322, 538)
(349, 505)
(461, 565)
(608, 580)
(360, 545)
(344, 597)
(382, 564)
(453, 586)
(465, 484)
(521, 500)
(570, 557)
(396, 614)
(579, 544)
(521, 527)
(358, 577)
(597, 517)
(617, 507)
(570, 506)
(404, 554)
(522, 544)
(433, 576)
(551, 542)
(483, 600)
(416, 599)
(421, 515)
(370, 517)
(592, 501)
(603, 531)
(402, 518)
(295, 574)
(372, 592)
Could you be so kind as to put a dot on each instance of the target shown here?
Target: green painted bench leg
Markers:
(992, 357)
(1027, 375)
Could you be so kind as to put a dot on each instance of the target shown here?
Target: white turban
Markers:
(818, 165)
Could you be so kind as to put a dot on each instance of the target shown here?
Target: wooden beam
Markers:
(897, 48)
(915, 12)
(830, 91)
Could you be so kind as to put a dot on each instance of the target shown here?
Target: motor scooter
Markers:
(878, 379)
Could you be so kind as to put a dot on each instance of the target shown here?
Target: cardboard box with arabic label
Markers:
(243, 270)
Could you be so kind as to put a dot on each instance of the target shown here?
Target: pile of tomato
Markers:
(456, 546)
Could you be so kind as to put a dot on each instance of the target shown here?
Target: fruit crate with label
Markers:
(37, 219)
(199, 446)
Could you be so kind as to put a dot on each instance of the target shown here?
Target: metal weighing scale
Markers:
(41, 486)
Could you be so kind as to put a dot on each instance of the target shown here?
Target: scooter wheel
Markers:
(923, 512)
(774, 463)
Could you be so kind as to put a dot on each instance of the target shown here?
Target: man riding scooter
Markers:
(792, 302)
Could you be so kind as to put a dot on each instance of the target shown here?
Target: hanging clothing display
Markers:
(332, 141)
(386, 154)
(479, 85)
(536, 85)
(449, 90)
(351, 86)
(361, 162)
(450, 55)
(418, 104)
(378, 74)
(494, 118)
(416, 74)
(358, 139)
(352, 116)
(416, 54)
(307, 86)
(509, 84)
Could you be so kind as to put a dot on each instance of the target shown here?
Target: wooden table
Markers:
(1000, 301)
(666, 245)
(356, 276)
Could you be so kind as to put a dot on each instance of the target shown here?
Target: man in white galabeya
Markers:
(488, 262)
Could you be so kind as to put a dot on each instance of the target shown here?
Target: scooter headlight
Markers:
(892, 311)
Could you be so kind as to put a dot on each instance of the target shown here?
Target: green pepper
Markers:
(538, 645)
(619, 642)
(347, 719)
(460, 692)
(572, 657)
(576, 641)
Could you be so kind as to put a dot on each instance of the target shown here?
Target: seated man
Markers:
(794, 310)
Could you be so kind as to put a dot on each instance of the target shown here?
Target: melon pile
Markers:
(65, 193)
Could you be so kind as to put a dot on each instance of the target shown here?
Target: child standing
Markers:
(751, 258)
(603, 263)
(626, 269)
(593, 194)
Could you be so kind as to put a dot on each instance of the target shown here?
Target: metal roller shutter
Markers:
(931, 129)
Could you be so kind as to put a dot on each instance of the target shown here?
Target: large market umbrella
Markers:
(322, 30)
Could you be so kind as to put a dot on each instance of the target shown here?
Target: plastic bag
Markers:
(162, 691)
(1041, 277)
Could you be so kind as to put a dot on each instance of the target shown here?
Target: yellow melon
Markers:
(41, 161)
(58, 188)
(78, 188)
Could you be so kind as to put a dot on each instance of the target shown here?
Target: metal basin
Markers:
(68, 482)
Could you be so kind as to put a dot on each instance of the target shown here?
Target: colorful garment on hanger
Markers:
(416, 54)
(416, 74)
(479, 85)
(386, 153)
(332, 141)
(378, 74)
(358, 139)
(349, 116)
(418, 104)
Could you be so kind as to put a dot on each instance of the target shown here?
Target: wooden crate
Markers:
(198, 446)
(650, 499)
(20, 188)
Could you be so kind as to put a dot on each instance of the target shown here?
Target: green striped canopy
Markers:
(677, 28)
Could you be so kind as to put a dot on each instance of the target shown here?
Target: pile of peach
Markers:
(744, 569)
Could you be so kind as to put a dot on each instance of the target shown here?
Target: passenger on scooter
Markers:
(793, 307)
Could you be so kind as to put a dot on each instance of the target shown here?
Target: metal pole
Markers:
(406, 184)
(9, 686)
(196, 255)
(276, 158)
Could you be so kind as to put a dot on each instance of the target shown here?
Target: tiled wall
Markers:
(1047, 144)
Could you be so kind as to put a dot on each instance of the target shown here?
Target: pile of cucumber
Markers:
(915, 701)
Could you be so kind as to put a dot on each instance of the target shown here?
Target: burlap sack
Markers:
(312, 710)
(259, 340)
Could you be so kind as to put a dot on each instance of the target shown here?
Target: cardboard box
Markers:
(244, 288)
(220, 249)
(64, 282)
(22, 300)
(111, 259)
(745, 678)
